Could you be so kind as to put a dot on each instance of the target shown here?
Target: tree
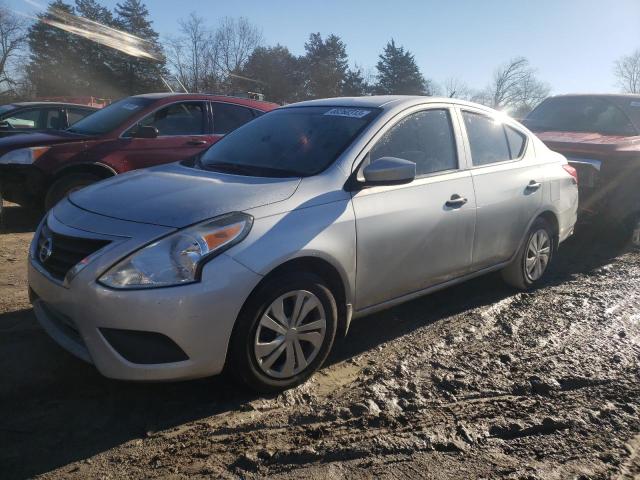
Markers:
(456, 88)
(273, 71)
(514, 88)
(52, 70)
(398, 73)
(354, 84)
(138, 74)
(13, 36)
(193, 55)
(96, 61)
(627, 72)
(325, 66)
(235, 40)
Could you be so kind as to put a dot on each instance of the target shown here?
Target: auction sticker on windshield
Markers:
(348, 112)
(131, 106)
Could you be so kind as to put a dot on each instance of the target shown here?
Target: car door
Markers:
(413, 236)
(507, 182)
(183, 128)
(227, 117)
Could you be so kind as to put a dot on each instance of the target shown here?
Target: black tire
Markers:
(243, 364)
(516, 273)
(67, 184)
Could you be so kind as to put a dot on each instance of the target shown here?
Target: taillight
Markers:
(571, 171)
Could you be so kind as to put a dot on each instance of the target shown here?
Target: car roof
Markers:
(51, 104)
(247, 102)
(384, 101)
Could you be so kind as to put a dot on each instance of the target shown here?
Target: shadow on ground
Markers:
(16, 219)
(54, 409)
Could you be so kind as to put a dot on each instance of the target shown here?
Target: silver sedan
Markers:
(257, 254)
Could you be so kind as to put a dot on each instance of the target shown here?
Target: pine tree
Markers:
(53, 69)
(354, 84)
(325, 65)
(138, 75)
(273, 71)
(398, 73)
(97, 68)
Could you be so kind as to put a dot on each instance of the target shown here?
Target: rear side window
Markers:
(490, 140)
(186, 118)
(227, 117)
(425, 138)
(53, 119)
(516, 141)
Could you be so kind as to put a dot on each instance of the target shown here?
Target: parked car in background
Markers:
(257, 253)
(135, 132)
(600, 136)
(29, 117)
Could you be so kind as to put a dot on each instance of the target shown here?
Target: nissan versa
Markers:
(256, 254)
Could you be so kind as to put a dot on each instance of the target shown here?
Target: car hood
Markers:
(177, 196)
(37, 139)
(589, 143)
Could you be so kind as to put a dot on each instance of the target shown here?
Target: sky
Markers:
(572, 43)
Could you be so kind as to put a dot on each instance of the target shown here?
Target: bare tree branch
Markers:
(13, 35)
(627, 72)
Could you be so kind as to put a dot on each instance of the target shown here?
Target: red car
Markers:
(600, 136)
(136, 132)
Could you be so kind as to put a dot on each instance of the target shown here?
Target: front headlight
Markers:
(178, 258)
(23, 156)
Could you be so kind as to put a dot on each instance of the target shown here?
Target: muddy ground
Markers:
(477, 381)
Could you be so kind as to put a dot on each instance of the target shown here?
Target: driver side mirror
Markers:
(389, 171)
(145, 131)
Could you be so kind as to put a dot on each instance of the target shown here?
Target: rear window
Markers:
(580, 114)
(295, 141)
(110, 117)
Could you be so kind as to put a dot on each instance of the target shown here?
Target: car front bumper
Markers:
(168, 333)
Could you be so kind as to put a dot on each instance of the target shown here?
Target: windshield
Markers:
(297, 141)
(110, 117)
(580, 114)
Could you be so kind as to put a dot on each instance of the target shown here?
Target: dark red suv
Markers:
(136, 132)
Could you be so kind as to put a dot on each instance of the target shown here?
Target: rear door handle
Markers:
(456, 201)
(197, 142)
(533, 186)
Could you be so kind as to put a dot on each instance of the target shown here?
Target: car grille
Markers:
(60, 253)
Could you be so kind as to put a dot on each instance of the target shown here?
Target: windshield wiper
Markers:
(249, 170)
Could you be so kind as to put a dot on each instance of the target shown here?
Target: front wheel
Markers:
(533, 258)
(284, 333)
(67, 185)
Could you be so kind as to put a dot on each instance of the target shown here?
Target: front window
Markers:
(183, 118)
(110, 117)
(295, 141)
(580, 114)
(425, 138)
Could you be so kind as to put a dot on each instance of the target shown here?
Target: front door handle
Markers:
(456, 201)
(533, 186)
(197, 142)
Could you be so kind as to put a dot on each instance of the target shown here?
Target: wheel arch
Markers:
(325, 270)
(99, 169)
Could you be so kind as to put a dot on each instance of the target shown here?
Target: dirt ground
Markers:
(477, 381)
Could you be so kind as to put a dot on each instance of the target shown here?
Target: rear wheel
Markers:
(533, 258)
(67, 185)
(284, 333)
